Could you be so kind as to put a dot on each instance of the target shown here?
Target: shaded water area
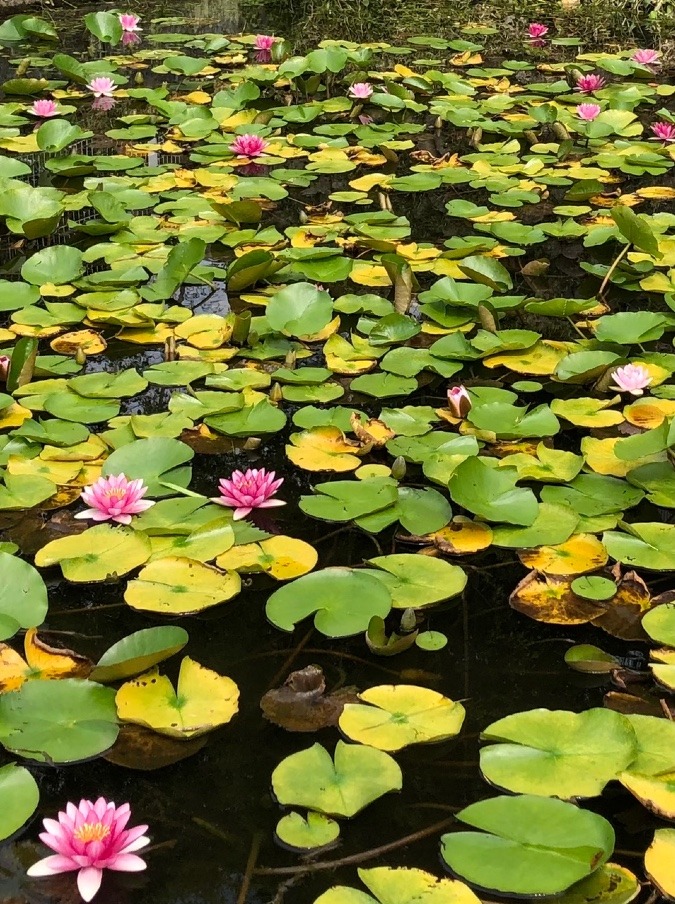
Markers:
(213, 814)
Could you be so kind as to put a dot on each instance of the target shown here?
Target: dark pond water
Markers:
(207, 812)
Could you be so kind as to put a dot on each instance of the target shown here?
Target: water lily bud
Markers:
(241, 328)
(138, 78)
(560, 131)
(438, 125)
(252, 443)
(80, 356)
(302, 216)
(275, 393)
(408, 621)
(459, 401)
(291, 358)
(398, 469)
(253, 338)
(23, 67)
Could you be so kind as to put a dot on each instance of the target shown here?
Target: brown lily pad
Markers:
(549, 598)
(140, 748)
(301, 704)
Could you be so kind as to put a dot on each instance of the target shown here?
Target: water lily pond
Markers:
(336, 449)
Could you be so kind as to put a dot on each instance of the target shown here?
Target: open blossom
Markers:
(91, 837)
(244, 491)
(633, 378)
(4, 367)
(361, 90)
(646, 57)
(130, 22)
(44, 108)
(459, 401)
(664, 131)
(264, 42)
(249, 146)
(588, 112)
(101, 86)
(115, 499)
(536, 30)
(587, 84)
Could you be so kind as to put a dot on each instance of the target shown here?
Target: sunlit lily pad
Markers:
(341, 787)
(416, 581)
(202, 701)
(180, 586)
(306, 834)
(528, 845)
(399, 715)
(20, 795)
(97, 554)
(558, 753)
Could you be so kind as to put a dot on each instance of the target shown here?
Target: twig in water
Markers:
(288, 662)
(250, 865)
(354, 858)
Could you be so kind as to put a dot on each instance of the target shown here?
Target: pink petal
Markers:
(127, 863)
(241, 513)
(89, 882)
(271, 503)
(51, 866)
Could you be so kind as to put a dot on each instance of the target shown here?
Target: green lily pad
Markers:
(557, 753)
(20, 796)
(337, 787)
(23, 596)
(156, 461)
(417, 581)
(343, 599)
(307, 834)
(62, 721)
(527, 845)
(138, 652)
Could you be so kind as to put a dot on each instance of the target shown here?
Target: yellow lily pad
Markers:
(202, 701)
(323, 449)
(400, 715)
(281, 557)
(578, 555)
(97, 554)
(660, 862)
(179, 586)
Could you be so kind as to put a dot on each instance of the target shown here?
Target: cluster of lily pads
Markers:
(438, 361)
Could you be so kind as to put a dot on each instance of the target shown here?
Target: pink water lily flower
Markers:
(115, 499)
(44, 108)
(632, 378)
(264, 42)
(4, 367)
(244, 491)
(536, 30)
(459, 401)
(101, 86)
(664, 131)
(249, 145)
(361, 90)
(130, 22)
(588, 112)
(91, 837)
(646, 57)
(587, 84)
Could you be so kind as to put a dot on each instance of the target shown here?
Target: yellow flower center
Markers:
(92, 831)
(115, 494)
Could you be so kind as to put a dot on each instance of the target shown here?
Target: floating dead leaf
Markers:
(623, 613)
(141, 748)
(87, 341)
(549, 598)
(301, 704)
(632, 704)
(372, 432)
